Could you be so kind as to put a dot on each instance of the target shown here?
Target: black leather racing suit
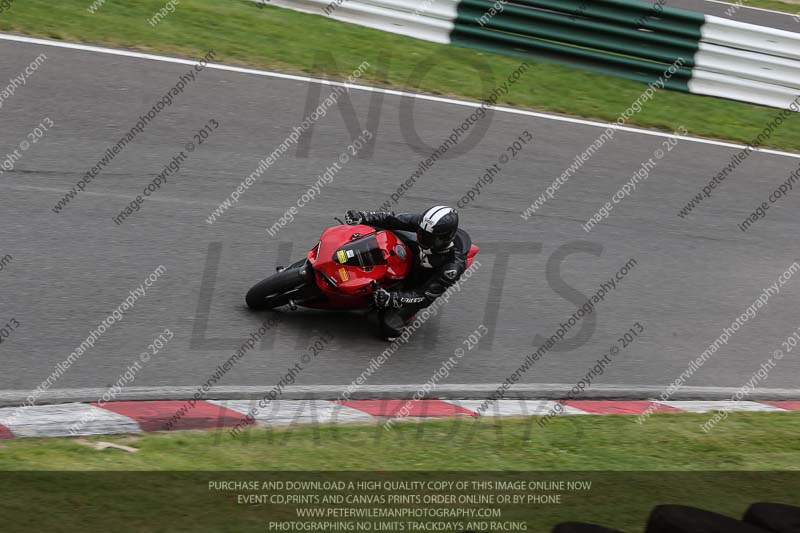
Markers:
(431, 272)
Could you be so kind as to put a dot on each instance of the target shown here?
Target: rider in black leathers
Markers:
(441, 260)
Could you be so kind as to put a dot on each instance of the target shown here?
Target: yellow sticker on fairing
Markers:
(343, 274)
(341, 256)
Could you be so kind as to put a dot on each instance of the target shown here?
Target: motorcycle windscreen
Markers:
(364, 252)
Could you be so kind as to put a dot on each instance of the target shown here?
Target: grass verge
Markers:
(165, 485)
(745, 441)
(775, 5)
(241, 32)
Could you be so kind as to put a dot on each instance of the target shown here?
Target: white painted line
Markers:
(393, 92)
(748, 406)
(516, 407)
(164, 199)
(744, 6)
(58, 420)
(707, 407)
(296, 411)
(695, 407)
(446, 391)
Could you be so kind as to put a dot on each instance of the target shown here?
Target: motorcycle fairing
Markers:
(350, 258)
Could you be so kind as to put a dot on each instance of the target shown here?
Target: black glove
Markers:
(354, 217)
(384, 299)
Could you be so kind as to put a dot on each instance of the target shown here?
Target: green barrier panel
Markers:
(627, 12)
(627, 67)
(625, 38)
(583, 32)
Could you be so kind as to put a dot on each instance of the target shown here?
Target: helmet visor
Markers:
(430, 241)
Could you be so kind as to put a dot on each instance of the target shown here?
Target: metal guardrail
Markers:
(625, 38)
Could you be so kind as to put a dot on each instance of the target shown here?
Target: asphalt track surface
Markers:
(744, 13)
(693, 276)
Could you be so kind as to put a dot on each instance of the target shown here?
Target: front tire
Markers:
(276, 290)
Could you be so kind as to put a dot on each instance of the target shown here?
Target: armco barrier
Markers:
(626, 38)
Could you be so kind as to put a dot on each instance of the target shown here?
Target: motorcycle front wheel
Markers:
(276, 290)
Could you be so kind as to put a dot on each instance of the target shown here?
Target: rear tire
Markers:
(273, 291)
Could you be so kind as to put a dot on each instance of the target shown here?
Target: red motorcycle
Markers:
(344, 268)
